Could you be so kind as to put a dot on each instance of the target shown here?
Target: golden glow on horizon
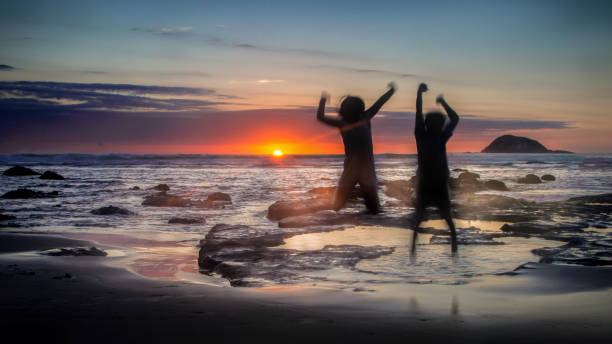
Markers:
(277, 153)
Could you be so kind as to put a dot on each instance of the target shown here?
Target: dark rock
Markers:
(495, 185)
(539, 228)
(459, 170)
(207, 264)
(51, 175)
(7, 217)
(466, 183)
(219, 197)
(161, 187)
(403, 190)
(135, 188)
(548, 177)
(111, 210)
(529, 179)
(27, 193)
(187, 220)
(517, 144)
(326, 192)
(162, 199)
(321, 218)
(281, 209)
(468, 176)
(471, 202)
(77, 251)
(18, 171)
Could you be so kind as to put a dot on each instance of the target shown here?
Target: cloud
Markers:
(258, 82)
(166, 30)
(74, 97)
(366, 71)
(6, 68)
(181, 32)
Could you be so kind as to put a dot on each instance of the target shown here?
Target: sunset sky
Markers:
(244, 77)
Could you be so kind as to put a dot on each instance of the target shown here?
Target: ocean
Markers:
(255, 182)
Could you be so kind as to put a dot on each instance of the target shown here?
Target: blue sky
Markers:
(521, 61)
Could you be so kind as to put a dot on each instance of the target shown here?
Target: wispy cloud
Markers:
(6, 68)
(366, 71)
(180, 32)
(258, 82)
(166, 30)
(75, 97)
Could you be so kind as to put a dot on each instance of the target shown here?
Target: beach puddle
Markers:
(479, 254)
(485, 226)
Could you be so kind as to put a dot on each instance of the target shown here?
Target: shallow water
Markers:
(93, 181)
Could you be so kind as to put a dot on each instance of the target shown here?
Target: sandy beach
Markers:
(92, 299)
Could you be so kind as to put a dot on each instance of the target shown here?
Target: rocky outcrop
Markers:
(530, 179)
(219, 196)
(247, 255)
(163, 199)
(539, 228)
(403, 190)
(17, 171)
(517, 144)
(161, 187)
(471, 202)
(77, 251)
(187, 220)
(51, 175)
(321, 218)
(281, 209)
(7, 217)
(548, 177)
(495, 185)
(27, 193)
(111, 210)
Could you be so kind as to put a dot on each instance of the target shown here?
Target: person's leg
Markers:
(444, 205)
(419, 213)
(369, 189)
(451, 226)
(345, 186)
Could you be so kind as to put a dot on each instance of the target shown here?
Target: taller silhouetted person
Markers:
(432, 173)
(356, 131)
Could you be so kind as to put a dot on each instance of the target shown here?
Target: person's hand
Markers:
(324, 96)
(440, 99)
(423, 87)
(392, 85)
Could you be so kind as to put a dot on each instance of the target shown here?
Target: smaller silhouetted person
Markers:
(432, 173)
(356, 131)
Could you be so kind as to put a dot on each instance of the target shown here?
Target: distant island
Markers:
(517, 144)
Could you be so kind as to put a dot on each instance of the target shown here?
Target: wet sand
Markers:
(88, 299)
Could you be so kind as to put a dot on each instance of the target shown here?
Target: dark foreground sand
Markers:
(101, 303)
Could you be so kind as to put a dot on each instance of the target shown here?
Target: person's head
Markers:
(434, 122)
(351, 109)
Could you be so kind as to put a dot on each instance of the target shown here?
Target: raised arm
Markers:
(452, 115)
(419, 123)
(373, 110)
(334, 122)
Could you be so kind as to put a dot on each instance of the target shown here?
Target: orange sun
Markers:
(277, 153)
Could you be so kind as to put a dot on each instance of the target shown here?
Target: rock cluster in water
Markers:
(187, 220)
(19, 171)
(111, 210)
(216, 200)
(27, 193)
(77, 251)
